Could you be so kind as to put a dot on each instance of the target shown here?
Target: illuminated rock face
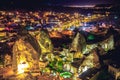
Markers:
(108, 44)
(25, 55)
(78, 44)
(7, 60)
(87, 63)
(96, 61)
(44, 43)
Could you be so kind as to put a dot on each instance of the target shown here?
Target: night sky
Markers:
(38, 3)
(68, 2)
(73, 2)
(79, 2)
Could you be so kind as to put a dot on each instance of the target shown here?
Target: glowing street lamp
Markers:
(22, 67)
